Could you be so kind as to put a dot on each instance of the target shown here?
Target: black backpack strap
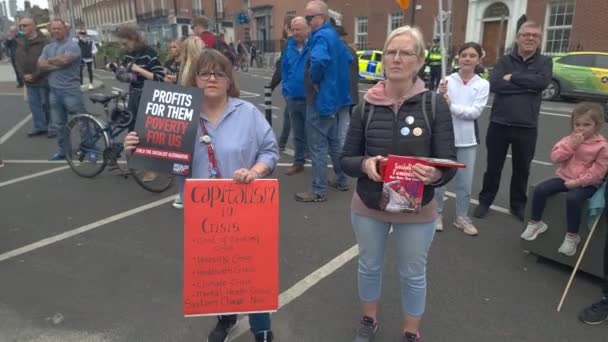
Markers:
(433, 110)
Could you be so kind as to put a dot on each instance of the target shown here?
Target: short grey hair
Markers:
(321, 6)
(413, 32)
(530, 24)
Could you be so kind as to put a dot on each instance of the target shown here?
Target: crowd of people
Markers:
(319, 75)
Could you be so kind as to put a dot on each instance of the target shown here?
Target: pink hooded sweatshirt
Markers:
(585, 164)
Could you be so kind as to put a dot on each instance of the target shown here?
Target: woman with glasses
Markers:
(398, 116)
(244, 146)
(140, 63)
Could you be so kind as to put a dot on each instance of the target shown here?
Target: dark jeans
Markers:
(133, 105)
(258, 322)
(574, 201)
(89, 69)
(17, 75)
(297, 112)
(286, 127)
(523, 144)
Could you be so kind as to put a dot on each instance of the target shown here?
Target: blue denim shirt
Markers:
(241, 138)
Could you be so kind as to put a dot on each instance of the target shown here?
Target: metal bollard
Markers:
(268, 104)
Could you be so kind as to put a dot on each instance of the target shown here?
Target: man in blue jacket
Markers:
(292, 74)
(328, 63)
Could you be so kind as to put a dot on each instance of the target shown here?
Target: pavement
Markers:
(101, 259)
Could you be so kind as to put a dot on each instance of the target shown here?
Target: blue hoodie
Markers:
(292, 70)
(327, 69)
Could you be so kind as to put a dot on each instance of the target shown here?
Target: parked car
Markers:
(579, 75)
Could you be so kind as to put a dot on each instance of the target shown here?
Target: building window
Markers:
(361, 32)
(395, 20)
(559, 26)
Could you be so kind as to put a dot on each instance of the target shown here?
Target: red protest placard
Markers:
(231, 251)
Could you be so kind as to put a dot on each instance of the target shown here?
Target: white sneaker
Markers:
(466, 226)
(533, 230)
(439, 224)
(90, 86)
(178, 203)
(568, 247)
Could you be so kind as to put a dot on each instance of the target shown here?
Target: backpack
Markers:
(366, 118)
(222, 47)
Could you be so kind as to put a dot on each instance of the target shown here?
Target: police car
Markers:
(579, 75)
(370, 65)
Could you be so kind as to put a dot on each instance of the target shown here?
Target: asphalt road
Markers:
(116, 272)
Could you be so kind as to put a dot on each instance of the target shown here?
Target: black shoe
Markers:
(481, 211)
(596, 313)
(36, 133)
(336, 185)
(518, 213)
(19, 85)
(222, 329)
(264, 336)
(367, 330)
(51, 134)
(309, 197)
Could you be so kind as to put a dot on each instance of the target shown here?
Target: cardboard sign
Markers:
(167, 120)
(231, 251)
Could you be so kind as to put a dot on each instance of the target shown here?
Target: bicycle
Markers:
(88, 138)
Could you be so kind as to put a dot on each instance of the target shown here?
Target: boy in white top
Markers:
(467, 94)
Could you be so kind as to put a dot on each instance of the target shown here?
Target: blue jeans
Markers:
(63, 103)
(463, 181)
(38, 100)
(258, 321)
(297, 112)
(322, 133)
(343, 123)
(413, 243)
(575, 199)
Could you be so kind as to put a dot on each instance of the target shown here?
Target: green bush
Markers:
(109, 52)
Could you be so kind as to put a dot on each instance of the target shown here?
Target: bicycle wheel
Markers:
(153, 181)
(85, 143)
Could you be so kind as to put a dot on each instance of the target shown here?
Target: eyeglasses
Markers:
(309, 18)
(206, 75)
(402, 54)
(529, 35)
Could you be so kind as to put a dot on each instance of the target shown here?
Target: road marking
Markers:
(539, 162)
(80, 230)
(11, 94)
(264, 106)
(246, 94)
(14, 130)
(316, 276)
(33, 175)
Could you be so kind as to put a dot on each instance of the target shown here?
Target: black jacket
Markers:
(517, 102)
(383, 137)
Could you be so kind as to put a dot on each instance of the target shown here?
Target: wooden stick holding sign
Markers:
(231, 253)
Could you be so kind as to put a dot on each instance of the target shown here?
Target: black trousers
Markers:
(435, 76)
(89, 69)
(522, 141)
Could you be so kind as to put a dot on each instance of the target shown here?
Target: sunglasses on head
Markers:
(309, 18)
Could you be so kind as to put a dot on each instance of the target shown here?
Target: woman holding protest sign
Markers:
(234, 141)
(417, 123)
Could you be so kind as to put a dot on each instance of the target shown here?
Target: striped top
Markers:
(146, 58)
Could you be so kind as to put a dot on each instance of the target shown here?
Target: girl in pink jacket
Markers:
(582, 157)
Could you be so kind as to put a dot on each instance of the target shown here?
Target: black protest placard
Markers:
(167, 121)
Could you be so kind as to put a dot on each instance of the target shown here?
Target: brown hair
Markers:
(211, 59)
(594, 110)
(130, 32)
(200, 21)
